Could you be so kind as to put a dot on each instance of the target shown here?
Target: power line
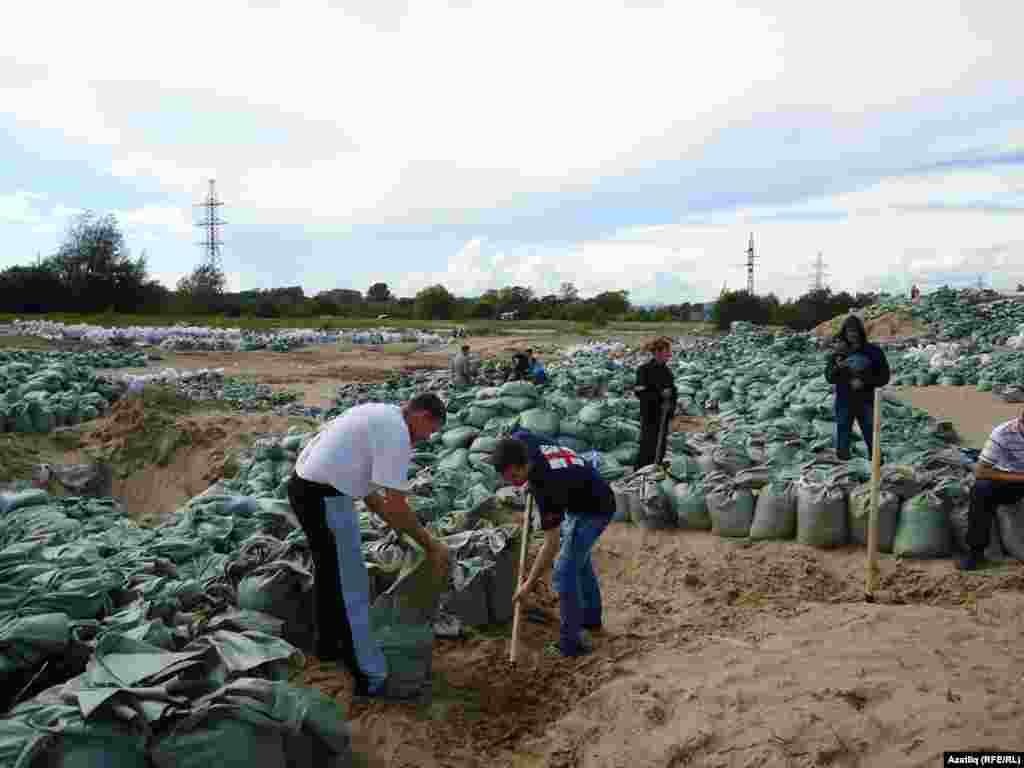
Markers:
(211, 225)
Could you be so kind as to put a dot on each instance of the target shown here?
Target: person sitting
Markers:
(999, 479)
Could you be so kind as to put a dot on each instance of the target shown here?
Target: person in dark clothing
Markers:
(999, 479)
(656, 388)
(521, 365)
(856, 368)
(576, 505)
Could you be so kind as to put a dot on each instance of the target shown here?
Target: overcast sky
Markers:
(629, 145)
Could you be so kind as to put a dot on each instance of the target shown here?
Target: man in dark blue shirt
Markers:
(576, 505)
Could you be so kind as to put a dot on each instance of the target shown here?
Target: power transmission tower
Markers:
(211, 225)
(818, 284)
(749, 264)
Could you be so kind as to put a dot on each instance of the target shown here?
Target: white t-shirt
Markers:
(367, 447)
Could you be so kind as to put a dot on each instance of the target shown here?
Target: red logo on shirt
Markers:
(560, 458)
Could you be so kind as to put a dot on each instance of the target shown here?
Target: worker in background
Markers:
(576, 505)
(364, 453)
(462, 368)
(521, 365)
(656, 389)
(999, 479)
(856, 368)
(915, 294)
(537, 373)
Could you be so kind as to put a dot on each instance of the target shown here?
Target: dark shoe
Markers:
(387, 692)
(971, 561)
(595, 629)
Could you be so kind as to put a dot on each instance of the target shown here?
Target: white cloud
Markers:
(434, 110)
(20, 207)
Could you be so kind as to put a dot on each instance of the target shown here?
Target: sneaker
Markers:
(971, 561)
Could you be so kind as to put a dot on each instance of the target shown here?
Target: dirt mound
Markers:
(165, 451)
(703, 637)
(888, 327)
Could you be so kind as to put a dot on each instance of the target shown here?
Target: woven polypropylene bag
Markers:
(775, 511)
(923, 529)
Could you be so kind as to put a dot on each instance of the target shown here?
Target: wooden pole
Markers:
(524, 546)
(871, 574)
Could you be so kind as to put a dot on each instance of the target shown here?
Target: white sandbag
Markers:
(731, 510)
(860, 511)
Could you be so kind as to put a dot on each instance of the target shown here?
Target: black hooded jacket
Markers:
(867, 364)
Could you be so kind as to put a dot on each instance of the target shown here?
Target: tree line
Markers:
(93, 272)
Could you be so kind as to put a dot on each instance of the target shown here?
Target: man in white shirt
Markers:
(364, 453)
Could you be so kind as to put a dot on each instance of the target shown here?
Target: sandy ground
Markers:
(728, 654)
(316, 371)
(972, 413)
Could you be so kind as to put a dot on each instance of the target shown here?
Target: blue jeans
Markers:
(845, 413)
(578, 591)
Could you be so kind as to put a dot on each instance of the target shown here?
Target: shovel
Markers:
(524, 546)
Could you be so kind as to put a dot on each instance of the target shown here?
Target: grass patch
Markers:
(33, 343)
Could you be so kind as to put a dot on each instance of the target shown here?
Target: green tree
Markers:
(378, 292)
(434, 303)
(95, 267)
(203, 289)
(613, 302)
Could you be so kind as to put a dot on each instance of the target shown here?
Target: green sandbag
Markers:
(456, 460)
(923, 529)
(731, 511)
(518, 389)
(888, 516)
(540, 421)
(775, 512)
(821, 515)
(482, 412)
(31, 498)
(684, 468)
(517, 404)
(627, 453)
(574, 428)
(484, 444)
(460, 437)
(592, 413)
(573, 443)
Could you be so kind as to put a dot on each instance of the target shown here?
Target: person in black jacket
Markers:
(856, 368)
(656, 388)
(521, 363)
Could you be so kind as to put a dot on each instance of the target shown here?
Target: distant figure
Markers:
(856, 369)
(537, 373)
(915, 294)
(656, 390)
(462, 368)
(521, 365)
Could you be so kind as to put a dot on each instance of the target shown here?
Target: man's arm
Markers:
(881, 371)
(394, 510)
(985, 471)
(546, 556)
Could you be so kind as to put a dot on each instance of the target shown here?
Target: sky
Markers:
(618, 146)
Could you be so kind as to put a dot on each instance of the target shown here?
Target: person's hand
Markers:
(856, 384)
(524, 589)
(842, 362)
(666, 394)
